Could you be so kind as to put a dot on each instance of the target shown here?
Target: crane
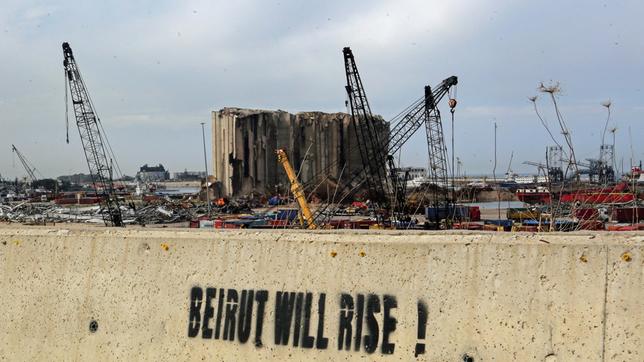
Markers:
(26, 164)
(548, 172)
(509, 172)
(371, 140)
(413, 117)
(539, 165)
(376, 150)
(437, 148)
(92, 139)
(425, 112)
(297, 189)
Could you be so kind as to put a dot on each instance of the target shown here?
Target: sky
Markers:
(156, 69)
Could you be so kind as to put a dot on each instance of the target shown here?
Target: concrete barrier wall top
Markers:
(155, 294)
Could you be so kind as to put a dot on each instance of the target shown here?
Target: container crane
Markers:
(93, 140)
(297, 189)
(26, 164)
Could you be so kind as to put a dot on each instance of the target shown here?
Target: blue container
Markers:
(457, 212)
(287, 214)
(504, 223)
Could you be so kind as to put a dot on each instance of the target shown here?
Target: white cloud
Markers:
(37, 12)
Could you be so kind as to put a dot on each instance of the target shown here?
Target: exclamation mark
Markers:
(422, 326)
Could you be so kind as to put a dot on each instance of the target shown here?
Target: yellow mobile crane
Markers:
(298, 190)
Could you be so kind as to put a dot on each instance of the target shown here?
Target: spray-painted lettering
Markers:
(365, 322)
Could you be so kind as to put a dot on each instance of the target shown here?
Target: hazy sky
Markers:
(155, 70)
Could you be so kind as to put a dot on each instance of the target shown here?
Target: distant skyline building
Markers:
(186, 175)
(78, 178)
(152, 173)
(414, 172)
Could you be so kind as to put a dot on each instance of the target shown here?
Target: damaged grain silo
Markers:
(321, 146)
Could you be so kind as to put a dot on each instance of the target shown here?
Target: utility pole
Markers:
(205, 163)
(498, 195)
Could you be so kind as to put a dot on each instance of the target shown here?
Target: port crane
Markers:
(376, 150)
(31, 170)
(371, 139)
(93, 140)
(298, 190)
(376, 147)
(426, 112)
(538, 165)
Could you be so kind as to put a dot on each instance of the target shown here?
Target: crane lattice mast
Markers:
(93, 140)
(372, 141)
(437, 148)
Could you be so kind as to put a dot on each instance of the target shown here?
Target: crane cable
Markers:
(452, 106)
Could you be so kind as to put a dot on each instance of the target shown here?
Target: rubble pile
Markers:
(167, 212)
(161, 211)
(43, 213)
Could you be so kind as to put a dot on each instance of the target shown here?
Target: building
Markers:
(189, 175)
(322, 147)
(412, 172)
(79, 178)
(152, 173)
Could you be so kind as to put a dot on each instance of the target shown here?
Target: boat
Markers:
(605, 195)
(537, 195)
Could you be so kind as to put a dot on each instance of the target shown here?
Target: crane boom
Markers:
(371, 140)
(414, 116)
(29, 168)
(297, 189)
(92, 139)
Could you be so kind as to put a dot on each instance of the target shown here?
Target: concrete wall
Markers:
(503, 297)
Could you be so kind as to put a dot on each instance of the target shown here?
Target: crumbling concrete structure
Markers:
(322, 146)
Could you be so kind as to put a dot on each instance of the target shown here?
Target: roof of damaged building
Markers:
(245, 112)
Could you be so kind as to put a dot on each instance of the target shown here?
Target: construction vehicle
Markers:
(298, 191)
(31, 170)
(93, 139)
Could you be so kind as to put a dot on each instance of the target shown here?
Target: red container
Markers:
(475, 213)
(628, 214)
(278, 223)
(586, 214)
